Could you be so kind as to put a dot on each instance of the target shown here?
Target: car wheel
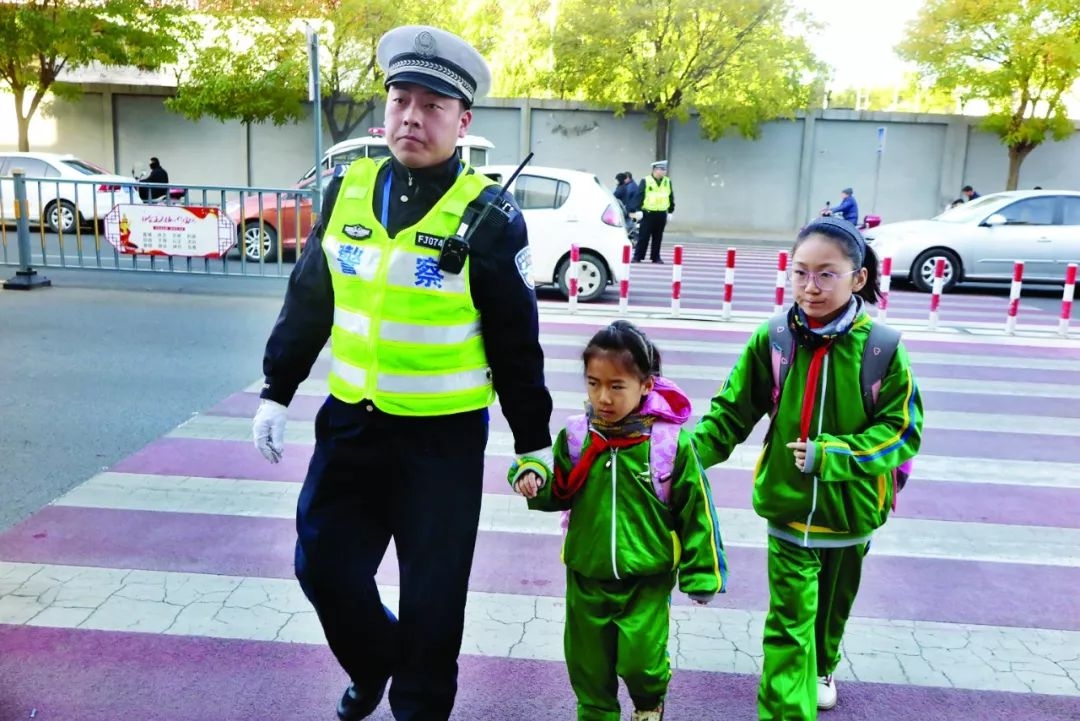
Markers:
(61, 217)
(592, 277)
(259, 241)
(922, 271)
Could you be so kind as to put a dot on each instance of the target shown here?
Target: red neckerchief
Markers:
(813, 375)
(566, 487)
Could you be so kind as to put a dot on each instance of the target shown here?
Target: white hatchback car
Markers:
(63, 190)
(564, 208)
(980, 240)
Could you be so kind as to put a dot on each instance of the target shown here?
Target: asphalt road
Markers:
(102, 363)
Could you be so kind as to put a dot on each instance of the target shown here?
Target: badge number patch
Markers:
(429, 241)
(523, 261)
(356, 231)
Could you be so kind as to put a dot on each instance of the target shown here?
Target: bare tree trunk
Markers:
(662, 124)
(24, 132)
(344, 115)
(1017, 154)
(22, 121)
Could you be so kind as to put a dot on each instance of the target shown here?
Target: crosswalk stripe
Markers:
(1020, 425)
(914, 538)
(318, 387)
(954, 469)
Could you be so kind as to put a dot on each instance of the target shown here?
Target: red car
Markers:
(270, 223)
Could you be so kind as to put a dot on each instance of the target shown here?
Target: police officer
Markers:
(421, 344)
(658, 200)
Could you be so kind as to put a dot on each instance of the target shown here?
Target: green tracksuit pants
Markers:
(617, 629)
(811, 591)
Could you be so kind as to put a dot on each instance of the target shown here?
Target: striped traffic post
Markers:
(935, 296)
(1067, 299)
(1014, 297)
(676, 281)
(729, 283)
(572, 276)
(886, 284)
(624, 284)
(781, 280)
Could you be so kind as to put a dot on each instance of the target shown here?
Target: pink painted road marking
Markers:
(1001, 594)
(104, 676)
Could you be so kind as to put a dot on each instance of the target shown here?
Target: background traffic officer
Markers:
(657, 201)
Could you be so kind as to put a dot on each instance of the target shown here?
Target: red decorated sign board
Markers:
(188, 231)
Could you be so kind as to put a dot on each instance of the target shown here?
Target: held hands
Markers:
(530, 471)
(268, 430)
(799, 448)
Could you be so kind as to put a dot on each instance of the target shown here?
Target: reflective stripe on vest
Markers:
(657, 195)
(406, 335)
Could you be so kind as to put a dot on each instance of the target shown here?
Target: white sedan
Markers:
(980, 240)
(565, 207)
(62, 190)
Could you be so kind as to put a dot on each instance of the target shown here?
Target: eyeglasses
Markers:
(825, 281)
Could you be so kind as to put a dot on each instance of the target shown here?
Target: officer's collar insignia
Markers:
(428, 241)
(424, 45)
(356, 231)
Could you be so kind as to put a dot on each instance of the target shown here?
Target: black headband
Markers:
(842, 227)
(646, 347)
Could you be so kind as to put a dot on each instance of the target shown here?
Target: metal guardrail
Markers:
(87, 224)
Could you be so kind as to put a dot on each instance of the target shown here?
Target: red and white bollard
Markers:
(1014, 297)
(572, 276)
(935, 297)
(781, 280)
(676, 281)
(624, 284)
(886, 283)
(1067, 299)
(729, 283)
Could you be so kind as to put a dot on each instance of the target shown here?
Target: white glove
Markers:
(539, 462)
(268, 430)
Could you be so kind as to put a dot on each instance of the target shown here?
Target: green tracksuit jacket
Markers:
(850, 459)
(620, 529)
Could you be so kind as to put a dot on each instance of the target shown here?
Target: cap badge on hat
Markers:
(424, 45)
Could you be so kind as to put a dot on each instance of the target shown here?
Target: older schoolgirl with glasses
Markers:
(821, 482)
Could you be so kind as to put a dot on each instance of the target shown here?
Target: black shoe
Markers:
(354, 706)
(659, 261)
(636, 260)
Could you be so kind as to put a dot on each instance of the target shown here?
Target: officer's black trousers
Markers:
(651, 231)
(375, 476)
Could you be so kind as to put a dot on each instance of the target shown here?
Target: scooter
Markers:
(869, 221)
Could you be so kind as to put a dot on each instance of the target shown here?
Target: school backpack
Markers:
(663, 446)
(877, 355)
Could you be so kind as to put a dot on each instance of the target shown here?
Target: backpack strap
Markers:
(782, 350)
(577, 430)
(663, 447)
(877, 356)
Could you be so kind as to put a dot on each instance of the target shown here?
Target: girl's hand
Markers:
(528, 485)
(799, 447)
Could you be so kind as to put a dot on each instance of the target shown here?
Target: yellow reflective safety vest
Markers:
(406, 335)
(657, 195)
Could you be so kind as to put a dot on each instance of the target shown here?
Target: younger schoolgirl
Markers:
(823, 481)
(641, 515)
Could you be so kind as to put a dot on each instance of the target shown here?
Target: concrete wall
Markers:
(770, 184)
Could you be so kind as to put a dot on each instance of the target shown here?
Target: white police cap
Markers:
(662, 164)
(436, 59)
